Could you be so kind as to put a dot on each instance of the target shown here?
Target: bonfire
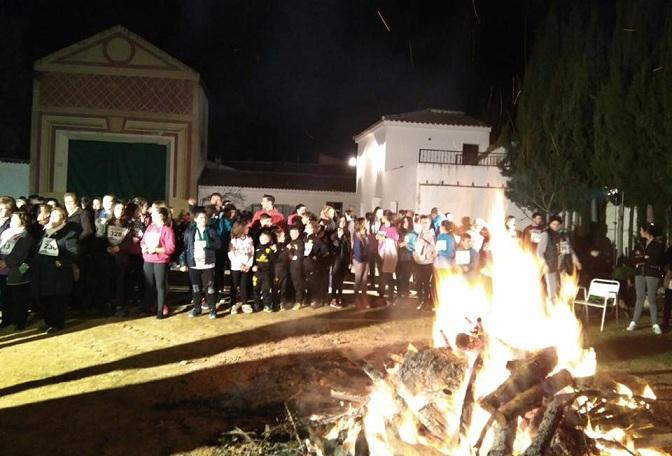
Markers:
(508, 373)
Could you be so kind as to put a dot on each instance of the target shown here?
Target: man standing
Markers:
(532, 232)
(268, 207)
(552, 249)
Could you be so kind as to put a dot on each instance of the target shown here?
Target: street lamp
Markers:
(352, 162)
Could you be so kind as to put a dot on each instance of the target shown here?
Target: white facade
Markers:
(390, 173)
(14, 179)
(245, 197)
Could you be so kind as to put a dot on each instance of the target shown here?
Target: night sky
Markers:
(287, 80)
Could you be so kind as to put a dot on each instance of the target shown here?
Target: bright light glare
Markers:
(352, 162)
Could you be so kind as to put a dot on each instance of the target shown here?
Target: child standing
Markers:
(157, 245)
(387, 237)
(314, 265)
(241, 256)
(295, 250)
(262, 281)
(201, 244)
(281, 270)
(341, 252)
(445, 246)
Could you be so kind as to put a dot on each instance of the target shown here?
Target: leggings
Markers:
(16, 304)
(203, 282)
(54, 310)
(423, 277)
(238, 280)
(338, 270)
(156, 280)
(646, 286)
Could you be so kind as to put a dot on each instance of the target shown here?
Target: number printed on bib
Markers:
(116, 234)
(48, 247)
(307, 248)
(564, 248)
(7, 247)
(535, 237)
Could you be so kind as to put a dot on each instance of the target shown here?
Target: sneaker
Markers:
(235, 309)
(420, 306)
(336, 305)
(212, 315)
(632, 326)
(51, 330)
(315, 305)
(194, 313)
(166, 310)
(657, 330)
(246, 308)
(296, 306)
(268, 309)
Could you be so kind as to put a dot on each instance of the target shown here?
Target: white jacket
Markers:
(241, 253)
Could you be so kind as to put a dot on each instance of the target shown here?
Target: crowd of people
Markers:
(103, 255)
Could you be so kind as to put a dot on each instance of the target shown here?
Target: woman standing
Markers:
(405, 264)
(116, 256)
(52, 268)
(315, 263)
(341, 248)
(649, 259)
(16, 247)
(387, 237)
(360, 261)
(7, 207)
(157, 245)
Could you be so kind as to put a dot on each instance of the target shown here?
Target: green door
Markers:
(127, 170)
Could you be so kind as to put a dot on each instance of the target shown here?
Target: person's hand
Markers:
(58, 264)
(151, 250)
(255, 268)
(191, 201)
(544, 268)
(274, 248)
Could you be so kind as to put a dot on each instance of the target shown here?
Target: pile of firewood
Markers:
(559, 421)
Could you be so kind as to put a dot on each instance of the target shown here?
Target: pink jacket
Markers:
(158, 237)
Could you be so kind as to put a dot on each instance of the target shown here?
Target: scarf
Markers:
(52, 230)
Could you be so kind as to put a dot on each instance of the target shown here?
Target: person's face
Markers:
(466, 243)
(51, 203)
(118, 210)
(642, 233)
(216, 201)
(425, 222)
(281, 236)
(378, 214)
(537, 220)
(264, 239)
(4, 210)
(95, 204)
(511, 223)
(201, 220)
(305, 219)
(266, 204)
(301, 211)
(142, 209)
(294, 234)
(70, 204)
(107, 203)
(44, 215)
(157, 218)
(55, 218)
(265, 222)
(555, 225)
(231, 214)
(15, 221)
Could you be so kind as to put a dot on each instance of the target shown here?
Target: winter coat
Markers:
(212, 244)
(649, 259)
(20, 254)
(53, 275)
(241, 253)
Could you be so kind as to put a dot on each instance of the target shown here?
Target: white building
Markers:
(430, 158)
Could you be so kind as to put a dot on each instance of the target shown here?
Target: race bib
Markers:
(535, 237)
(152, 239)
(307, 248)
(116, 234)
(7, 247)
(199, 253)
(565, 249)
(441, 244)
(48, 247)
(463, 257)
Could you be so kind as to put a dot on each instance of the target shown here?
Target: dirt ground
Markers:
(139, 385)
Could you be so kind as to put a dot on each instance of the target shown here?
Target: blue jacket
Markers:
(212, 243)
(447, 251)
(359, 249)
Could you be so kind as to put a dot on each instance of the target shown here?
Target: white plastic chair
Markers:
(599, 294)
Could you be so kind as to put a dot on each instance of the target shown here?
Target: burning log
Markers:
(504, 436)
(549, 424)
(433, 369)
(524, 375)
(532, 397)
(469, 398)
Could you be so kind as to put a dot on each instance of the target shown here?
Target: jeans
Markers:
(646, 286)
(203, 282)
(361, 271)
(156, 280)
(423, 282)
(338, 270)
(552, 285)
(404, 270)
(298, 280)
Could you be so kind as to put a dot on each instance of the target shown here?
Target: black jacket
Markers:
(20, 254)
(83, 220)
(341, 248)
(53, 275)
(213, 243)
(264, 257)
(649, 259)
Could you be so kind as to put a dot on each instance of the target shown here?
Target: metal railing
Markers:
(456, 157)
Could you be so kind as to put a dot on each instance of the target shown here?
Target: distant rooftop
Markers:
(437, 117)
